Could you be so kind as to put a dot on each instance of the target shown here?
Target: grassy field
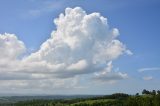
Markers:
(91, 102)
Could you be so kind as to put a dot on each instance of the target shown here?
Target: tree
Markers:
(153, 92)
(137, 94)
(145, 91)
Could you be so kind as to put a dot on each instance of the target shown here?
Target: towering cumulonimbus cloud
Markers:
(81, 44)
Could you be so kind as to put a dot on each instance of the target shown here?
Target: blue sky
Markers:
(137, 21)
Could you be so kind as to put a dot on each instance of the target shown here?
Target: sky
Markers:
(79, 46)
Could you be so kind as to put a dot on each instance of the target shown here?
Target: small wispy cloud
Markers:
(146, 78)
(149, 69)
(45, 7)
(129, 52)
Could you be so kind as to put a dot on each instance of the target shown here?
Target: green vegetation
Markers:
(148, 98)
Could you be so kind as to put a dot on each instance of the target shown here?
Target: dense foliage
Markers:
(148, 98)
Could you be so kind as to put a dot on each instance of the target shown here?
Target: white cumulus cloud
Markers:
(81, 44)
(10, 46)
